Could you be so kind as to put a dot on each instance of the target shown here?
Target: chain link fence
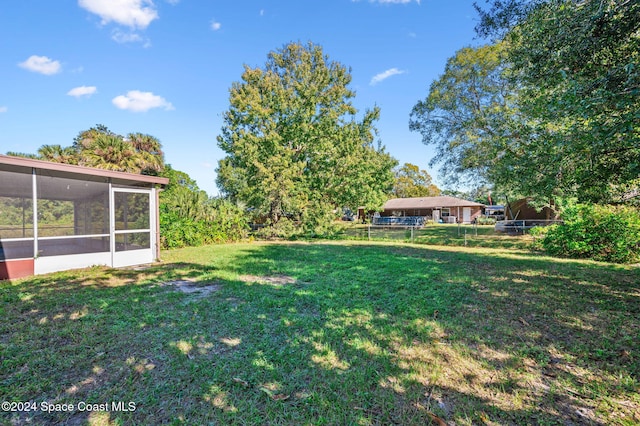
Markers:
(472, 235)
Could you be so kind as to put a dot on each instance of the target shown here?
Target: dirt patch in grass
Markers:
(268, 279)
(193, 288)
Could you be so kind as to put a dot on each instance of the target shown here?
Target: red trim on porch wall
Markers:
(12, 269)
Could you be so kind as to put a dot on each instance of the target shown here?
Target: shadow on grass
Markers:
(331, 333)
(566, 331)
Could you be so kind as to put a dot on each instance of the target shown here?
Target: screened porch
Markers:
(56, 216)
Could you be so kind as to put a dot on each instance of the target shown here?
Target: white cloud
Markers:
(215, 26)
(138, 101)
(41, 64)
(81, 91)
(123, 37)
(3, 109)
(131, 13)
(378, 78)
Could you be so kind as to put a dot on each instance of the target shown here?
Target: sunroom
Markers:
(55, 217)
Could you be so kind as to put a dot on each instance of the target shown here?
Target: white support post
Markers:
(112, 223)
(34, 197)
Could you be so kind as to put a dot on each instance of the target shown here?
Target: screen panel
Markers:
(16, 205)
(132, 210)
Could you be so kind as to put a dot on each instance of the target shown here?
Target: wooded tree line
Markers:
(548, 110)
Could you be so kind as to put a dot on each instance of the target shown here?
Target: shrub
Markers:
(539, 233)
(285, 228)
(319, 221)
(224, 222)
(605, 233)
(176, 231)
(189, 217)
(482, 220)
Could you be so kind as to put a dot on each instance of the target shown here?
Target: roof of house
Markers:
(70, 169)
(428, 203)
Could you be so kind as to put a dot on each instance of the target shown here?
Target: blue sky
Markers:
(165, 67)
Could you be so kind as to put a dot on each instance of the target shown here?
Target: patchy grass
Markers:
(440, 234)
(335, 333)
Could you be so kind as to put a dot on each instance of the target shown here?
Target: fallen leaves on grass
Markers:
(436, 420)
(242, 382)
(275, 396)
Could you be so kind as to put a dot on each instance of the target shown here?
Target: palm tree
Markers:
(101, 148)
(149, 150)
(58, 154)
(87, 137)
(22, 154)
(111, 152)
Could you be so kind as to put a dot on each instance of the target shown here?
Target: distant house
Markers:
(56, 216)
(438, 209)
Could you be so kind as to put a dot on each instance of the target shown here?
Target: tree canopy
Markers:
(101, 148)
(578, 64)
(135, 153)
(411, 181)
(549, 110)
(463, 113)
(294, 142)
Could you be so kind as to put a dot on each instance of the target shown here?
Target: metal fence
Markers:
(406, 221)
(522, 226)
(441, 234)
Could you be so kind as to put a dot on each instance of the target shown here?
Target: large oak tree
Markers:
(467, 116)
(555, 113)
(578, 66)
(294, 141)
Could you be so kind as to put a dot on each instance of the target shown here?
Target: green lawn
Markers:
(328, 333)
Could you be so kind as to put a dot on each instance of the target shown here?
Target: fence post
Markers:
(465, 237)
(369, 232)
(412, 234)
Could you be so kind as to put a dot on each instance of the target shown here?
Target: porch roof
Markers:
(16, 163)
